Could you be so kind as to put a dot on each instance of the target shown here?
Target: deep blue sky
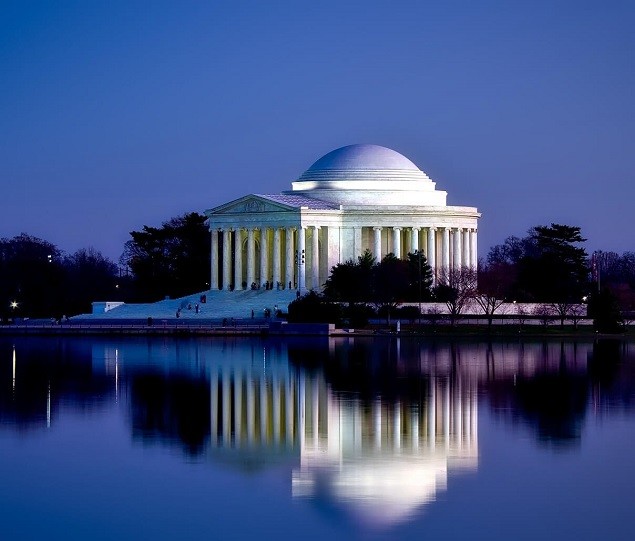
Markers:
(118, 114)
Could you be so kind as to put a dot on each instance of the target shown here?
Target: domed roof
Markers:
(363, 162)
(363, 157)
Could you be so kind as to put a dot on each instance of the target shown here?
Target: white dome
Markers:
(368, 175)
(363, 162)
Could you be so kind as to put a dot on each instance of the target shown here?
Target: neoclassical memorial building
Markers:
(355, 198)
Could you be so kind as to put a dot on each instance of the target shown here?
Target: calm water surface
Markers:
(316, 439)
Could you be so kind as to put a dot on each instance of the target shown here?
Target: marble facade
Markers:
(356, 198)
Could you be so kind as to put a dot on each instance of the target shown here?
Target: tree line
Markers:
(38, 280)
(549, 266)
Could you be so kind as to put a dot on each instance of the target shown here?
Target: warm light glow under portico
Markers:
(355, 198)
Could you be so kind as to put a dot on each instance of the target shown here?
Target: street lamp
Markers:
(13, 305)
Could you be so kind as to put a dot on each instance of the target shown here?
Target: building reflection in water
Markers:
(384, 458)
(372, 426)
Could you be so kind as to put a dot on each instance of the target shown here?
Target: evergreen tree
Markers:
(549, 265)
(169, 260)
(420, 278)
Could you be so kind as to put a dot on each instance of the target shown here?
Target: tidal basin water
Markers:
(320, 439)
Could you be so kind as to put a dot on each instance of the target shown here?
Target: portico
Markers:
(356, 198)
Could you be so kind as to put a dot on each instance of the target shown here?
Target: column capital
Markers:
(377, 228)
(416, 228)
(397, 228)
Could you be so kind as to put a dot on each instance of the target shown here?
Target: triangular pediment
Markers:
(249, 204)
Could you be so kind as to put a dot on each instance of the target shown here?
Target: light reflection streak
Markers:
(14, 372)
(116, 376)
(48, 406)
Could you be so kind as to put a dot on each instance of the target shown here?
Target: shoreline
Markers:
(278, 328)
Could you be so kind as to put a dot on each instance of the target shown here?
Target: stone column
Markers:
(445, 250)
(414, 423)
(264, 411)
(226, 429)
(414, 240)
(238, 408)
(377, 422)
(275, 413)
(432, 415)
(238, 258)
(213, 283)
(251, 410)
(357, 242)
(396, 426)
(446, 415)
(302, 258)
(213, 405)
(432, 251)
(315, 411)
(377, 243)
(276, 256)
(302, 411)
(456, 249)
(289, 257)
(473, 249)
(251, 257)
(227, 258)
(396, 242)
(315, 258)
(465, 244)
(264, 256)
(288, 408)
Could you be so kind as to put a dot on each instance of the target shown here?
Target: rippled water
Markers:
(316, 439)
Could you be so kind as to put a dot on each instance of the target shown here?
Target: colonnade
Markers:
(254, 410)
(444, 247)
(295, 410)
(281, 253)
(248, 257)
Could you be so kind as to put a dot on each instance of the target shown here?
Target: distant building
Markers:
(355, 198)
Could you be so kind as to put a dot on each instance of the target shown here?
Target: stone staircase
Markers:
(219, 305)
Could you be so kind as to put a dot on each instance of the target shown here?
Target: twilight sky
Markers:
(119, 114)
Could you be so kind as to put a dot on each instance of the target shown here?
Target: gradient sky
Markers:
(115, 115)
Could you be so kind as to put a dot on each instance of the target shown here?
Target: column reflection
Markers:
(382, 457)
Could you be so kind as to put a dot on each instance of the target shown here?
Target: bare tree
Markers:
(562, 309)
(494, 283)
(577, 312)
(457, 288)
(522, 314)
(545, 313)
(489, 304)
